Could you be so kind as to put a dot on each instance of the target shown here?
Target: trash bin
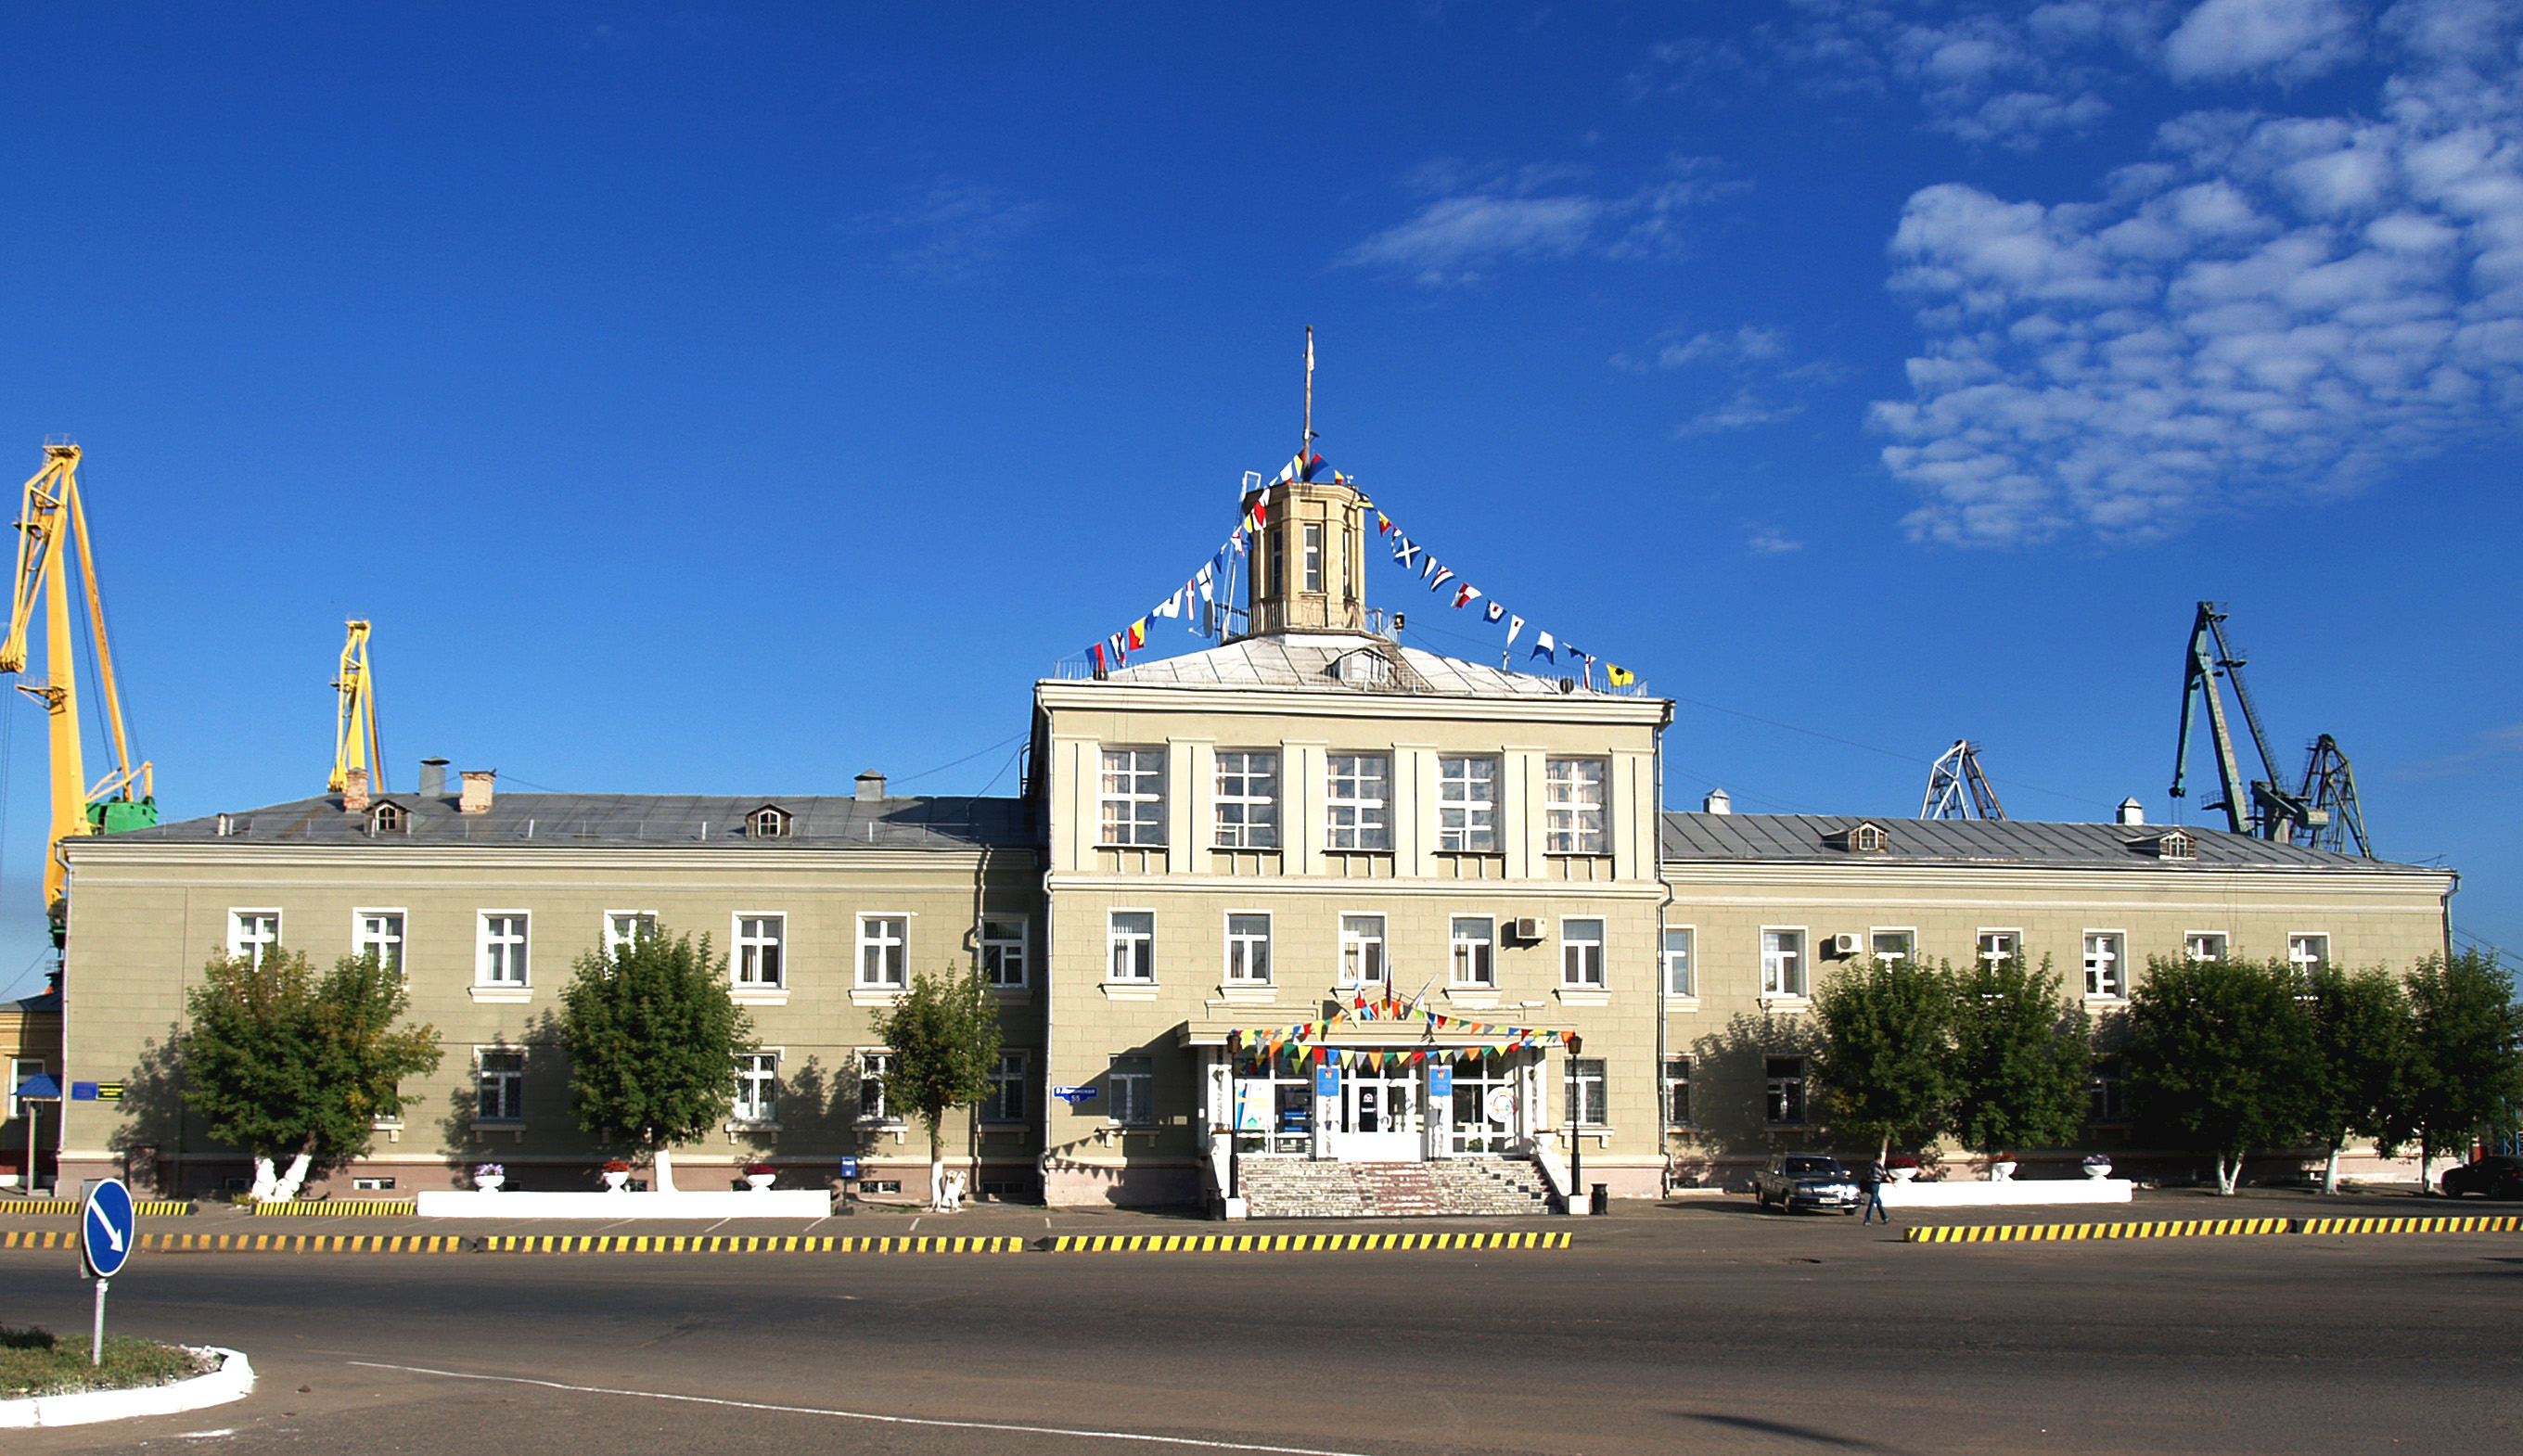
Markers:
(1601, 1200)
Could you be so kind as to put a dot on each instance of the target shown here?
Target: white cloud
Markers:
(965, 230)
(1532, 214)
(2283, 307)
(2285, 40)
(1765, 384)
(1765, 541)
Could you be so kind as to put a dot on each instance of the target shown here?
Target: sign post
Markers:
(106, 1239)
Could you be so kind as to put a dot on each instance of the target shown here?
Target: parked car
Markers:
(2493, 1177)
(1806, 1180)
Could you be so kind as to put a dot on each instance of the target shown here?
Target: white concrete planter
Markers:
(2098, 1170)
(760, 1182)
(1902, 1175)
(770, 1203)
(615, 1183)
(489, 1183)
(2001, 1172)
(2009, 1194)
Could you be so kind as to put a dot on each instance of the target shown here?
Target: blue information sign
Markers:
(106, 1228)
(1327, 1081)
(1441, 1081)
(1076, 1095)
(849, 1167)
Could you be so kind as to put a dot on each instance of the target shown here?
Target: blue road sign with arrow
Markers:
(106, 1228)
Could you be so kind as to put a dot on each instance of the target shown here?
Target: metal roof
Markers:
(1310, 662)
(818, 822)
(1804, 837)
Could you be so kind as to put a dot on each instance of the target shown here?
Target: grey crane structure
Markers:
(1956, 790)
(2322, 814)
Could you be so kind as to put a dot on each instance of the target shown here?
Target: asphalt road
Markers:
(1665, 1329)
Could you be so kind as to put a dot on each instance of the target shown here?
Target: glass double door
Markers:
(1380, 1103)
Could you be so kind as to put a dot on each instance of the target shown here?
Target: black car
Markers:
(2490, 1177)
(1806, 1180)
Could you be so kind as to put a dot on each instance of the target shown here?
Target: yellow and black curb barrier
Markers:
(255, 1242)
(1291, 1242)
(738, 1243)
(66, 1207)
(340, 1208)
(2197, 1228)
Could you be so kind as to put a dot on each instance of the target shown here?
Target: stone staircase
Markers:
(1295, 1187)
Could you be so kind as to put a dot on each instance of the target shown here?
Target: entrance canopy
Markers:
(1368, 1034)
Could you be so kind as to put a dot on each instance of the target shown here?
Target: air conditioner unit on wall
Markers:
(1843, 945)
(1528, 928)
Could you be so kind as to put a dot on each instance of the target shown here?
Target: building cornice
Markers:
(105, 853)
(1844, 878)
(1571, 708)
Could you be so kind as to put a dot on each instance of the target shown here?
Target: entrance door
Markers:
(1380, 1117)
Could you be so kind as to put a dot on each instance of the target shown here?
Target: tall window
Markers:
(1467, 805)
(2203, 945)
(1996, 946)
(1248, 949)
(2103, 964)
(252, 933)
(758, 943)
(1314, 558)
(1248, 800)
(1003, 950)
(1572, 803)
(501, 959)
(499, 1086)
(1470, 943)
(1586, 1091)
(884, 950)
(1131, 936)
(1006, 1100)
(1133, 796)
(1783, 963)
(1893, 945)
(2106, 1094)
(2307, 950)
(624, 929)
(757, 1086)
(873, 1066)
(1677, 1091)
(380, 934)
(1133, 1084)
(1362, 950)
(1676, 964)
(1358, 805)
(1783, 1087)
(1581, 954)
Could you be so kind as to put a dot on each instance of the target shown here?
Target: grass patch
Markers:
(36, 1362)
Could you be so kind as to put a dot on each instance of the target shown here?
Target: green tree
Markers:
(2220, 1057)
(944, 1034)
(2464, 1070)
(2020, 1058)
(2361, 1035)
(280, 1061)
(653, 1035)
(1887, 1050)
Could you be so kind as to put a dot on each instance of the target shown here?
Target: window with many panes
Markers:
(2106, 1093)
(1470, 941)
(499, 1086)
(1248, 949)
(2305, 951)
(380, 933)
(1248, 800)
(1678, 979)
(1133, 796)
(1006, 1102)
(759, 940)
(1581, 954)
(2103, 970)
(1362, 950)
(1003, 950)
(1999, 946)
(1892, 945)
(757, 1086)
(1782, 1090)
(1783, 963)
(624, 928)
(1132, 1082)
(884, 951)
(500, 958)
(1572, 806)
(252, 933)
(2203, 945)
(1677, 1091)
(1130, 936)
(1358, 802)
(1586, 1091)
(873, 1066)
(1467, 805)
(1314, 558)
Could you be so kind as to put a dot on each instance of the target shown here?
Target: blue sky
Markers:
(730, 399)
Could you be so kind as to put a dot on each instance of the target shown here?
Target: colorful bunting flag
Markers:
(1543, 649)
(1496, 610)
(1619, 676)
(1464, 597)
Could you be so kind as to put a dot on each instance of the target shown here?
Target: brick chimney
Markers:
(354, 790)
(476, 798)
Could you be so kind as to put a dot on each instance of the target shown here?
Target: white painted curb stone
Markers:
(232, 1381)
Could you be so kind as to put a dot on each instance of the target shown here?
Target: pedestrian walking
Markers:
(1874, 1179)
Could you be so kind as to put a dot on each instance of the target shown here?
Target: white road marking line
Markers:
(815, 1410)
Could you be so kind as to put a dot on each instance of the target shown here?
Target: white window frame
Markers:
(1130, 798)
(1014, 1068)
(513, 1079)
(745, 968)
(1312, 558)
(516, 933)
(1687, 987)
(1580, 962)
(2296, 942)
(767, 822)
(882, 977)
(615, 941)
(1578, 1076)
(1785, 973)
(2106, 970)
(1247, 954)
(2193, 942)
(757, 1088)
(1363, 949)
(1566, 807)
(253, 933)
(1142, 967)
(873, 1064)
(1909, 947)
(1467, 824)
(1132, 1106)
(1007, 961)
(1471, 962)
(1681, 1115)
(1991, 958)
(387, 943)
(1356, 821)
(1774, 1088)
(1244, 830)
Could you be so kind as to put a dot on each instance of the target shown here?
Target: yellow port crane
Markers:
(50, 513)
(356, 744)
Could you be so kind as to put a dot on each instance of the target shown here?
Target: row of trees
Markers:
(286, 1064)
(2221, 1057)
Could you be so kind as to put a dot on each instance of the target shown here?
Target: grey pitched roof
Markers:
(819, 822)
(1309, 662)
(1801, 837)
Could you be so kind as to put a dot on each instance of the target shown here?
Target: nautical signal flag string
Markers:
(1412, 556)
(1303, 1042)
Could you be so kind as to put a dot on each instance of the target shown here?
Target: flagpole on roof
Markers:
(1306, 447)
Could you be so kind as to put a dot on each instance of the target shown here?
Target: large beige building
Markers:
(1303, 902)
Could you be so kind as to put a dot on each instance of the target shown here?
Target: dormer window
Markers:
(2176, 845)
(770, 821)
(389, 818)
(1865, 838)
(1365, 667)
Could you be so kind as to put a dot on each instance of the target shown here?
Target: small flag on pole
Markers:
(1619, 676)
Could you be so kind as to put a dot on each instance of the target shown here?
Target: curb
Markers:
(2196, 1228)
(65, 1207)
(298, 1243)
(337, 1209)
(1291, 1242)
(232, 1381)
(740, 1243)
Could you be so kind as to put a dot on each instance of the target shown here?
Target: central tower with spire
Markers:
(1309, 557)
